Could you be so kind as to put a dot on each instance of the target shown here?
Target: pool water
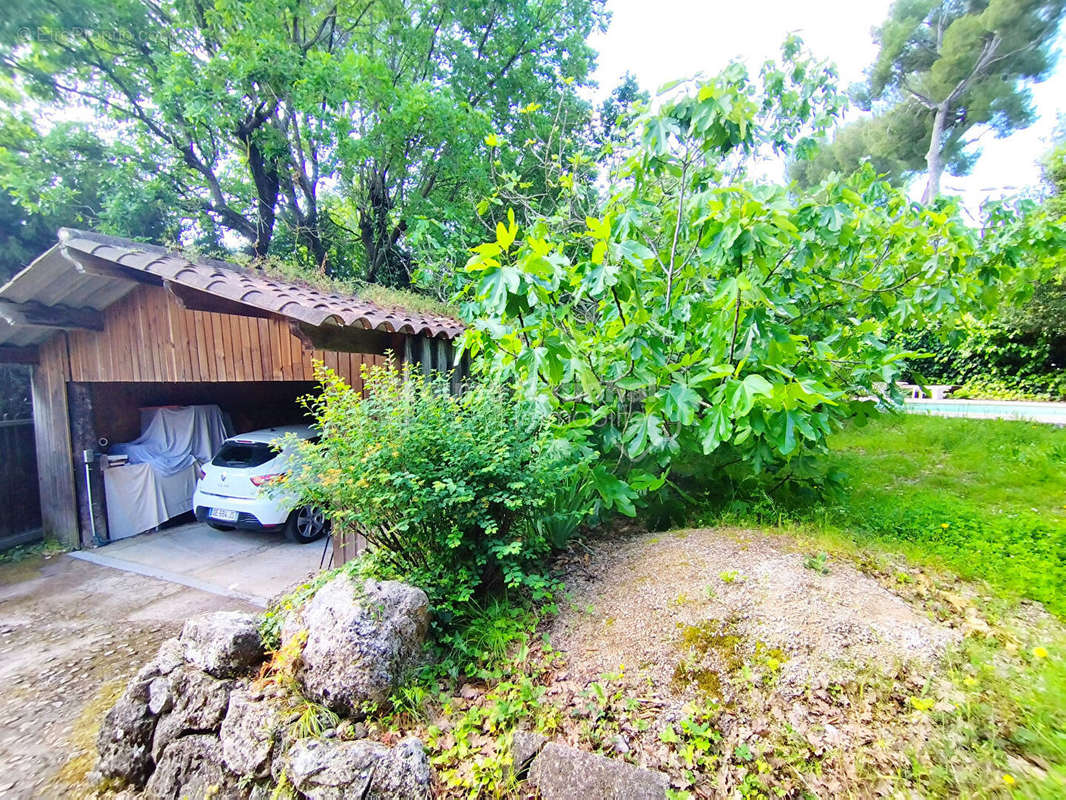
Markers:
(1054, 413)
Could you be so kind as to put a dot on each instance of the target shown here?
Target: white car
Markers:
(231, 493)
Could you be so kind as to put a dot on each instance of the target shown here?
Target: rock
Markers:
(468, 692)
(160, 700)
(328, 769)
(349, 730)
(191, 767)
(619, 744)
(403, 773)
(124, 743)
(564, 773)
(199, 704)
(524, 748)
(170, 656)
(360, 638)
(224, 644)
(251, 729)
(332, 770)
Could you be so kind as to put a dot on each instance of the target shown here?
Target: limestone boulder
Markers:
(252, 729)
(124, 743)
(197, 704)
(403, 773)
(565, 773)
(191, 767)
(525, 745)
(329, 769)
(224, 644)
(361, 636)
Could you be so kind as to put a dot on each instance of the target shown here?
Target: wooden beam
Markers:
(342, 339)
(200, 300)
(98, 267)
(18, 355)
(59, 317)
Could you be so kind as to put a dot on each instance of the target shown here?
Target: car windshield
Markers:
(244, 454)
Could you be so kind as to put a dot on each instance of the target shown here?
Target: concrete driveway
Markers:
(244, 565)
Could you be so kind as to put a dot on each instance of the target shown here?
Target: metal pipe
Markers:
(88, 456)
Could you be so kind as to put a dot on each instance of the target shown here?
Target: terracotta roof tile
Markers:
(230, 282)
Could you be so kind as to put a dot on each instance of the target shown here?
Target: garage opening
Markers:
(247, 406)
(119, 500)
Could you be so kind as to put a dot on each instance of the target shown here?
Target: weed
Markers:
(281, 667)
(409, 703)
(730, 576)
(313, 721)
(817, 563)
(1007, 718)
(283, 789)
(692, 745)
(46, 548)
(81, 744)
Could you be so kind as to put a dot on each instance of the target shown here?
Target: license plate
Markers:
(223, 515)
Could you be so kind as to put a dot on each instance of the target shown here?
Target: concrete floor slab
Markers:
(249, 566)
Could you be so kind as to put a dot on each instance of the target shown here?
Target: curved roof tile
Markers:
(230, 282)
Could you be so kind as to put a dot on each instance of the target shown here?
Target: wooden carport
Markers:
(108, 323)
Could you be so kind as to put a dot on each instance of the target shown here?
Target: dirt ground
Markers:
(71, 634)
(755, 585)
(804, 668)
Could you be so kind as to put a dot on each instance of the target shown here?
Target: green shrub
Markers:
(447, 490)
(1017, 355)
(999, 389)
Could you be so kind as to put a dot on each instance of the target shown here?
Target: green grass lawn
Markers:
(985, 498)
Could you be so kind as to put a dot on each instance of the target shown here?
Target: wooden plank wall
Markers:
(149, 337)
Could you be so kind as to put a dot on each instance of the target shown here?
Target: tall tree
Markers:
(1054, 168)
(264, 115)
(702, 318)
(943, 68)
(22, 237)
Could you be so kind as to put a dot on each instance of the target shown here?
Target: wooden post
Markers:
(456, 374)
(55, 458)
(83, 437)
(441, 362)
(427, 356)
(347, 546)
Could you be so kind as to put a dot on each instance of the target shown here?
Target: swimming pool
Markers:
(1054, 413)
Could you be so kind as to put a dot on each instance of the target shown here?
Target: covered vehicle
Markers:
(233, 491)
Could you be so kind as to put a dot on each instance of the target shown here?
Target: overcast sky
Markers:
(660, 40)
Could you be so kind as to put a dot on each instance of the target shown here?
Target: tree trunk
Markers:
(934, 157)
(267, 188)
(386, 262)
(309, 231)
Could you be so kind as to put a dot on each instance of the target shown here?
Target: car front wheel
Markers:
(306, 524)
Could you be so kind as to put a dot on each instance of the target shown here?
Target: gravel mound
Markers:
(706, 600)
